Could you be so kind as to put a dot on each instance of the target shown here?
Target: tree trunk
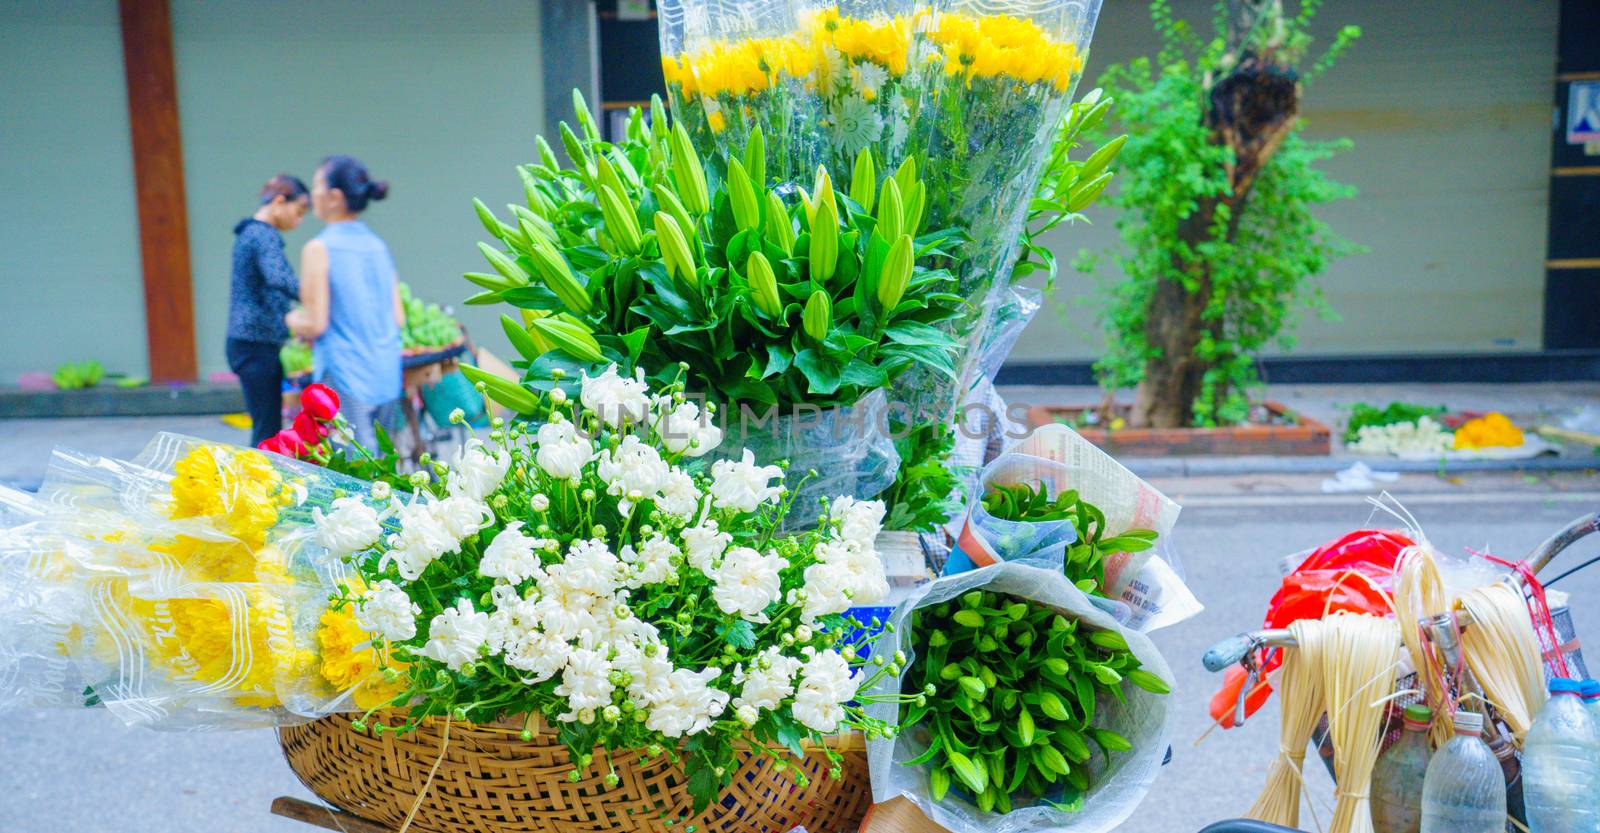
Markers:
(1251, 110)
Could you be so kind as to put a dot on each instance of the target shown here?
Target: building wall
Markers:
(441, 100)
(1449, 108)
(69, 233)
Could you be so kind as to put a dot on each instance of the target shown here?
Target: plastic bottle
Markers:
(1591, 700)
(1397, 776)
(1464, 790)
(1561, 764)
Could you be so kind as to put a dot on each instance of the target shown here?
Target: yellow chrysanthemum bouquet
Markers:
(185, 589)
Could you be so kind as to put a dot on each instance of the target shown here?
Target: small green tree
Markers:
(1216, 193)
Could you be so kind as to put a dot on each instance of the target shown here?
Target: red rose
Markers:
(293, 446)
(320, 402)
(309, 430)
(274, 445)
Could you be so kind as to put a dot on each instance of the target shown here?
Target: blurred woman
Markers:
(264, 289)
(350, 300)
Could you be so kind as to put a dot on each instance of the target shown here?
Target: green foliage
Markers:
(925, 492)
(295, 357)
(1257, 266)
(767, 296)
(1067, 186)
(1363, 415)
(427, 325)
(1085, 557)
(78, 375)
(1008, 691)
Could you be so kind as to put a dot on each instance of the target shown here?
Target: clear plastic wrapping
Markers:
(1117, 785)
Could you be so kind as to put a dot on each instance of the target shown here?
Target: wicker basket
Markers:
(491, 781)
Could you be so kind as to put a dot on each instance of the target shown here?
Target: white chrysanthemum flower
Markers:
(867, 583)
(825, 686)
(352, 526)
(769, 680)
(678, 497)
(633, 470)
(747, 714)
(381, 491)
(828, 589)
(743, 485)
(860, 521)
(746, 582)
(511, 556)
(590, 567)
(703, 545)
(462, 516)
(385, 610)
(562, 452)
(832, 69)
(614, 398)
(867, 79)
(648, 676)
(856, 124)
(684, 428)
(564, 614)
(535, 653)
(478, 470)
(688, 704)
(422, 539)
(653, 562)
(586, 682)
(899, 121)
(456, 635)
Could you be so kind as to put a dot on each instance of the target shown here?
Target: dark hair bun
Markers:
(377, 189)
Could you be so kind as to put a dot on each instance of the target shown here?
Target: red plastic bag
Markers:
(1354, 573)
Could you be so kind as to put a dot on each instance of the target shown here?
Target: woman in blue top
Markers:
(350, 300)
(264, 288)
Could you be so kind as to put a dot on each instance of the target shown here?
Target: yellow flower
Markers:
(349, 660)
(716, 120)
(239, 490)
(1492, 430)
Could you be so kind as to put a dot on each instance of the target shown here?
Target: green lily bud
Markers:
(949, 672)
(822, 193)
(1149, 682)
(1105, 674)
(490, 222)
(573, 338)
(670, 204)
(621, 223)
(912, 201)
(580, 108)
(547, 154)
(1086, 192)
(658, 119)
(742, 198)
(1101, 158)
(755, 158)
(687, 173)
(938, 783)
(817, 318)
(763, 285)
(1050, 758)
(896, 273)
(1109, 639)
(1057, 666)
(974, 687)
(1025, 727)
(606, 176)
(779, 229)
(864, 180)
(504, 265)
(555, 273)
(975, 777)
(517, 334)
(527, 219)
(1111, 741)
(906, 175)
(528, 317)
(1052, 706)
(575, 152)
(507, 393)
(968, 618)
(491, 282)
(824, 253)
(891, 216)
(530, 186)
(675, 252)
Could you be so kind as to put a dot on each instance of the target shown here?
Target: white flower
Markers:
(899, 121)
(653, 562)
(539, 502)
(455, 635)
(703, 545)
(683, 428)
(381, 491)
(462, 516)
(860, 521)
(769, 681)
(422, 539)
(477, 471)
(633, 471)
(562, 452)
(678, 497)
(747, 714)
(539, 654)
(352, 526)
(825, 686)
(865, 580)
(688, 704)
(856, 124)
(832, 69)
(867, 79)
(828, 588)
(586, 682)
(746, 582)
(648, 676)
(386, 610)
(615, 399)
(743, 485)
(511, 556)
(590, 567)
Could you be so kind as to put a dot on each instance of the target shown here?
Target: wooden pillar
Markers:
(158, 181)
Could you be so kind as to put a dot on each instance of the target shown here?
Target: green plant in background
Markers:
(1218, 240)
(295, 357)
(1085, 557)
(427, 324)
(1363, 415)
(1010, 689)
(769, 296)
(78, 375)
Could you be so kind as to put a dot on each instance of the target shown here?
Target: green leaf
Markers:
(739, 634)
(822, 374)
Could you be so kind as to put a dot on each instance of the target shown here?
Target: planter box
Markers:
(1305, 438)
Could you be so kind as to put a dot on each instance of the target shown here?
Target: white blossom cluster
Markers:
(566, 612)
(1423, 437)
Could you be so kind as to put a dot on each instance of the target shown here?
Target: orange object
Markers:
(1492, 430)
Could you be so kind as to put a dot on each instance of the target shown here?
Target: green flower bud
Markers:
(742, 198)
(580, 108)
(490, 223)
(687, 173)
(755, 158)
(557, 275)
(763, 285)
(658, 119)
(675, 252)
(1085, 193)
(606, 176)
(974, 687)
(547, 155)
(968, 618)
(1100, 159)
(864, 180)
(822, 195)
(570, 337)
(1110, 640)
(817, 318)
(1149, 682)
(912, 203)
(504, 265)
(906, 174)
(670, 203)
(780, 230)
(890, 213)
(896, 273)
(621, 223)
(575, 152)
(824, 254)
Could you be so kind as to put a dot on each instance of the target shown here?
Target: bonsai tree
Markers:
(1216, 192)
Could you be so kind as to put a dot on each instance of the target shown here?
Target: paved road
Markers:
(79, 773)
